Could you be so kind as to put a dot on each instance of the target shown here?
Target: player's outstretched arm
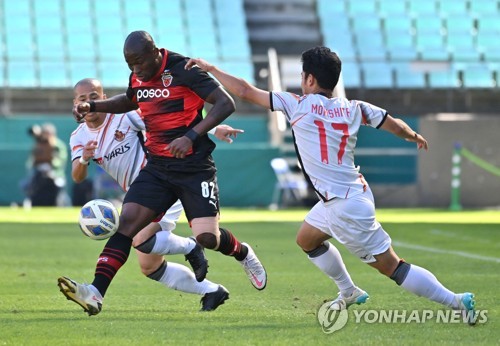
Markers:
(79, 167)
(401, 129)
(225, 132)
(116, 104)
(236, 86)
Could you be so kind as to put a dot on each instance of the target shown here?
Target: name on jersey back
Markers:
(330, 112)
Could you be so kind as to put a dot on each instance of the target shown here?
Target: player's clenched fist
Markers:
(80, 110)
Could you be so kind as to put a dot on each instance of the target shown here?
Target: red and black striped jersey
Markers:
(171, 103)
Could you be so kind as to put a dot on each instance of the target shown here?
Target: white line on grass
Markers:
(447, 252)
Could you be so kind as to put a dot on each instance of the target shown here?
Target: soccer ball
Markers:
(99, 219)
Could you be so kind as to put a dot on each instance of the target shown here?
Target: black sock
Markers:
(230, 246)
(112, 257)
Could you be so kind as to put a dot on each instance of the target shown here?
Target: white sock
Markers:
(168, 243)
(179, 277)
(423, 283)
(331, 264)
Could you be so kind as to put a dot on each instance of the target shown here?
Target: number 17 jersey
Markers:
(325, 132)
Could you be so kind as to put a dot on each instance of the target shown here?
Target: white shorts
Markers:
(352, 222)
(172, 215)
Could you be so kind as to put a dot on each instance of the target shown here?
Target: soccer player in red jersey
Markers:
(180, 165)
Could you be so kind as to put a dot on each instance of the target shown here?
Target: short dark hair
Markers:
(323, 64)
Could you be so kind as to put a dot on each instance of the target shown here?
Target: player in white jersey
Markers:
(325, 130)
(114, 142)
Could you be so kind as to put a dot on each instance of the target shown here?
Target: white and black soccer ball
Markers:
(99, 219)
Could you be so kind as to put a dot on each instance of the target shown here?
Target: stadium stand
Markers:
(54, 43)
(398, 33)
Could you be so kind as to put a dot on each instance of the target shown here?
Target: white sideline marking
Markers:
(447, 252)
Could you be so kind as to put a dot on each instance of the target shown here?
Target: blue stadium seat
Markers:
(53, 74)
(77, 9)
(419, 7)
(114, 74)
(397, 25)
(110, 47)
(462, 47)
(18, 35)
(484, 7)
(81, 46)
(82, 69)
(2, 75)
(371, 47)
(351, 74)
(400, 47)
(447, 78)
(15, 8)
(49, 9)
(21, 74)
(377, 75)
(429, 24)
(139, 16)
(365, 24)
(242, 69)
(489, 24)
(477, 75)
(452, 7)
(408, 77)
(361, 7)
(459, 24)
(327, 8)
(391, 9)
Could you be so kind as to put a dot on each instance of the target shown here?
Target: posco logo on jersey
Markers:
(148, 94)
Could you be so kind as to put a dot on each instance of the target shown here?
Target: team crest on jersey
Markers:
(119, 136)
(166, 78)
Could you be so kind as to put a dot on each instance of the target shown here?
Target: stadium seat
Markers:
(390, 9)
(408, 77)
(77, 9)
(242, 69)
(477, 75)
(81, 46)
(459, 24)
(138, 16)
(365, 24)
(371, 47)
(377, 75)
(290, 187)
(429, 24)
(452, 8)
(351, 74)
(114, 74)
(484, 7)
(397, 25)
(21, 74)
(489, 24)
(462, 47)
(418, 8)
(442, 79)
(18, 35)
(361, 7)
(82, 69)
(400, 47)
(53, 74)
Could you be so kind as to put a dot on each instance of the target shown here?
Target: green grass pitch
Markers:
(36, 247)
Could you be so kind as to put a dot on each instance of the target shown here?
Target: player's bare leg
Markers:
(423, 283)
(211, 236)
(327, 258)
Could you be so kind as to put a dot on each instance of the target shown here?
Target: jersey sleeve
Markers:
(285, 102)
(136, 121)
(372, 115)
(130, 91)
(197, 80)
